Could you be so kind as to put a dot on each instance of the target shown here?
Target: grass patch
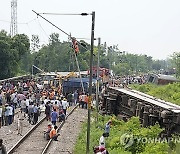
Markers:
(170, 92)
(114, 143)
(96, 131)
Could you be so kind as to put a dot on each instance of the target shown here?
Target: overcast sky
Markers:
(149, 27)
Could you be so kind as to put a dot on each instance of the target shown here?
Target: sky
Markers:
(150, 27)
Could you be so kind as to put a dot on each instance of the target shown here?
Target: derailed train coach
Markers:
(14, 80)
(126, 103)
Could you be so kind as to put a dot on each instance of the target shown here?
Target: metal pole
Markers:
(77, 63)
(79, 72)
(97, 84)
(90, 84)
(32, 71)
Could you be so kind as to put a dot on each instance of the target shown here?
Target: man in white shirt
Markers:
(10, 118)
(64, 105)
(13, 95)
(102, 140)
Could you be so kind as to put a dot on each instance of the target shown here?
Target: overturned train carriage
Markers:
(16, 79)
(126, 103)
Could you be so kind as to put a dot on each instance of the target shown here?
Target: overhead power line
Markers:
(18, 22)
(83, 14)
(51, 23)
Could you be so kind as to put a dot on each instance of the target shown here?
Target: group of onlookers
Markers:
(56, 110)
(124, 81)
(25, 97)
(101, 149)
(6, 114)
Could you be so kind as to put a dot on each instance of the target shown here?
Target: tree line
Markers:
(19, 53)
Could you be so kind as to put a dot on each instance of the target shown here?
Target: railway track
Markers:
(33, 141)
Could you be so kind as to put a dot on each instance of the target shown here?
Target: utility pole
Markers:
(13, 26)
(97, 82)
(90, 84)
(77, 63)
(91, 61)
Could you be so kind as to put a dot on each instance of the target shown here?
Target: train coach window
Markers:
(151, 79)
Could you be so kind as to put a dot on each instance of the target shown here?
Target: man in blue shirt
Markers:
(36, 113)
(107, 128)
(54, 116)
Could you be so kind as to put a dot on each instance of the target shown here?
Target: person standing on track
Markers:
(30, 112)
(20, 123)
(54, 117)
(64, 105)
(23, 106)
(47, 111)
(10, 117)
(83, 99)
(6, 114)
(69, 99)
(15, 101)
(36, 113)
(75, 97)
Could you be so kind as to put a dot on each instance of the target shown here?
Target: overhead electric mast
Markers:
(13, 26)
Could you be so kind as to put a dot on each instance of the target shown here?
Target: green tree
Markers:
(176, 61)
(11, 51)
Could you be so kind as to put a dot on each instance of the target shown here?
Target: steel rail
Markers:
(32, 130)
(25, 136)
(59, 128)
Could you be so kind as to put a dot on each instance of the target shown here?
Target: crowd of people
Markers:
(28, 98)
(58, 111)
(124, 81)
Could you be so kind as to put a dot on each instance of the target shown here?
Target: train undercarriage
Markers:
(125, 103)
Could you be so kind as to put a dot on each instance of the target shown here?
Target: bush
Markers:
(170, 92)
(125, 137)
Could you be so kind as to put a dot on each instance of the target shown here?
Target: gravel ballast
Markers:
(69, 133)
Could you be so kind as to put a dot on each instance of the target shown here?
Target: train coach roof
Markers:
(147, 98)
(79, 80)
(14, 78)
(165, 77)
